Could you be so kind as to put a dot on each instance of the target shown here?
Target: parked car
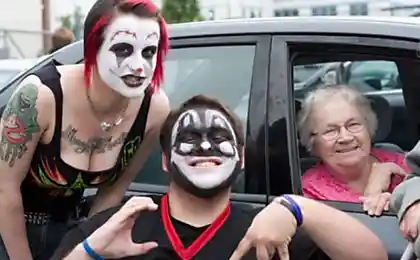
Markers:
(249, 65)
(10, 68)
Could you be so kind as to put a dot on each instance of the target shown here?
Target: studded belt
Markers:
(37, 218)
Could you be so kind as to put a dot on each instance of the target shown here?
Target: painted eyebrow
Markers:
(151, 35)
(125, 32)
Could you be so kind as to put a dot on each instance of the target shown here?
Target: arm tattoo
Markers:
(19, 124)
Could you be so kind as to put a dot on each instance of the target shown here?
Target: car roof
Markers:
(17, 64)
(391, 27)
(403, 27)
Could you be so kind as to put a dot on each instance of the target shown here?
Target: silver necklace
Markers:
(107, 126)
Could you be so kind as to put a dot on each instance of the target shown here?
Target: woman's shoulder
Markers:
(388, 156)
(159, 100)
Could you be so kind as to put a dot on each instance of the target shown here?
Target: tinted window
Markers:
(365, 76)
(222, 72)
(384, 73)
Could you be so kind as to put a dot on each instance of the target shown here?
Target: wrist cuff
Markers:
(293, 207)
(92, 254)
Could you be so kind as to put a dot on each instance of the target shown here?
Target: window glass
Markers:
(286, 12)
(324, 10)
(222, 72)
(359, 9)
(364, 75)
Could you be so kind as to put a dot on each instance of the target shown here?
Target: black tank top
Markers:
(51, 185)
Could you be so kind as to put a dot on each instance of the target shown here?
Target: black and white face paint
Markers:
(204, 152)
(127, 58)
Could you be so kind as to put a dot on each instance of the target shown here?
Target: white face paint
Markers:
(204, 147)
(127, 57)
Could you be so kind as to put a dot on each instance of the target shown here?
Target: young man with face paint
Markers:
(203, 146)
(73, 127)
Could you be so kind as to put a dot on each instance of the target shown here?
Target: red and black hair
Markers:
(100, 16)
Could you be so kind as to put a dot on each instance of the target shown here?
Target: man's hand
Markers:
(409, 225)
(270, 232)
(113, 239)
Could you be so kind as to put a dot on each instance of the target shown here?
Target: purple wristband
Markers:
(295, 209)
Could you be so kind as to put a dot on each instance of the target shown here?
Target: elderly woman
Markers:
(337, 124)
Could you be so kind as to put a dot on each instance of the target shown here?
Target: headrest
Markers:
(383, 111)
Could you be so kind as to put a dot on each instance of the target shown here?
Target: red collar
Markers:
(189, 252)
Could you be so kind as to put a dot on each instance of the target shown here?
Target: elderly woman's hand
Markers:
(380, 177)
(376, 196)
(375, 204)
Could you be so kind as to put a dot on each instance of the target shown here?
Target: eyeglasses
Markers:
(333, 133)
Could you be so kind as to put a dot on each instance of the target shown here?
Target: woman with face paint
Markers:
(68, 128)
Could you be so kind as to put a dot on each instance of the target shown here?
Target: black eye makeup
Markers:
(122, 49)
(220, 135)
(189, 136)
(149, 52)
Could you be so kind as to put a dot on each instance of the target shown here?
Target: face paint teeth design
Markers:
(133, 81)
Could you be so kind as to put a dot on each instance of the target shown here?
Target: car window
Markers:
(381, 71)
(343, 134)
(222, 72)
(365, 76)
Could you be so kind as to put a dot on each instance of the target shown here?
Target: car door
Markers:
(288, 156)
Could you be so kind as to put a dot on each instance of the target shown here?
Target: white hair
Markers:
(325, 94)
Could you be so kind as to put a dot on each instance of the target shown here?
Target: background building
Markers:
(345, 7)
(25, 32)
(21, 32)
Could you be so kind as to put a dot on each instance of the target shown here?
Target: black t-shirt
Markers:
(149, 227)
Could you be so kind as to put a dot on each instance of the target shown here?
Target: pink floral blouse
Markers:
(319, 184)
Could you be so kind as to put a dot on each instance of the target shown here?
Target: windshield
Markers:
(6, 76)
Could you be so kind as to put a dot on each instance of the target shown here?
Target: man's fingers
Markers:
(133, 206)
(283, 252)
(243, 247)
(141, 249)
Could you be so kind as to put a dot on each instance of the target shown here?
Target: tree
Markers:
(73, 22)
(66, 22)
(181, 11)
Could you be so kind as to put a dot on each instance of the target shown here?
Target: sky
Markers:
(61, 8)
